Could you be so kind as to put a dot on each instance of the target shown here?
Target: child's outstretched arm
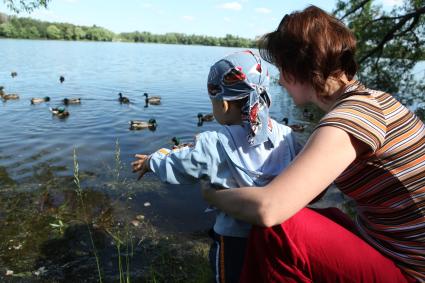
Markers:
(182, 165)
(141, 165)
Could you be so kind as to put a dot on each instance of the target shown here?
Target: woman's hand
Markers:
(326, 155)
(209, 190)
(141, 165)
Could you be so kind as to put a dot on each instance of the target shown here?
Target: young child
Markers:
(249, 149)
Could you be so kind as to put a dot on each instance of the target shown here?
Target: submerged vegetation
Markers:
(63, 229)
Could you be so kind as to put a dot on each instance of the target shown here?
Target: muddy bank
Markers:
(54, 229)
(53, 232)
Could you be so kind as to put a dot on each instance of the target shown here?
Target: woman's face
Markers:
(300, 93)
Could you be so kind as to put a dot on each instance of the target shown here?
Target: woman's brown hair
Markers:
(309, 47)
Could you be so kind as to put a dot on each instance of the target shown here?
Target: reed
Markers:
(79, 192)
(127, 237)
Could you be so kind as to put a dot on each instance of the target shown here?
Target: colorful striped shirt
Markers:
(388, 183)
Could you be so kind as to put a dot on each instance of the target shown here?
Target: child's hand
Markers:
(141, 165)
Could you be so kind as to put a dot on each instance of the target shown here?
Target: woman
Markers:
(368, 144)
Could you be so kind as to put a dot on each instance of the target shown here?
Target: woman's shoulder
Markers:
(365, 103)
(364, 96)
(362, 114)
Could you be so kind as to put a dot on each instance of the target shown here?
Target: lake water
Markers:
(37, 189)
(36, 146)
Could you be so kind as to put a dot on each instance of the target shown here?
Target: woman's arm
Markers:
(326, 155)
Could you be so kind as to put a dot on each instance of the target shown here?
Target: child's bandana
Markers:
(242, 75)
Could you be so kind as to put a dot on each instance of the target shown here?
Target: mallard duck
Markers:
(2, 92)
(123, 99)
(177, 143)
(14, 74)
(295, 127)
(10, 96)
(59, 112)
(205, 118)
(39, 100)
(67, 101)
(139, 125)
(61, 79)
(153, 100)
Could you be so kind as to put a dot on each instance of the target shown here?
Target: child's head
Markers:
(238, 88)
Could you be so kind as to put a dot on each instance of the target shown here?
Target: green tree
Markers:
(170, 38)
(69, 33)
(25, 5)
(99, 34)
(79, 33)
(53, 32)
(33, 32)
(390, 43)
(7, 29)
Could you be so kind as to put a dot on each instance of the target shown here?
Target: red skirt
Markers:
(316, 246)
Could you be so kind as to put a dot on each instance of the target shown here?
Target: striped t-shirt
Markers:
(388, 183)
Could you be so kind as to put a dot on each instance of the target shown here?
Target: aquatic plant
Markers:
(128, 235)
(59, 225)
(79, 192)
(120, 237)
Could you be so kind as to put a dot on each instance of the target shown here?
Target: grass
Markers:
(124, 274)
(75, 233)
(80, 195)
(162, 258)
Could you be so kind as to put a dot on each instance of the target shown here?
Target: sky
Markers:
(245, 18)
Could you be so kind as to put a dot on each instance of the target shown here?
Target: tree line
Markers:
(17, 27)
(390, 43)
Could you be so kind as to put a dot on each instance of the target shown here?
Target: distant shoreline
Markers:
(28, 28)
(120, 41)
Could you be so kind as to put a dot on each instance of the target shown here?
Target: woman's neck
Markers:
(334, 88)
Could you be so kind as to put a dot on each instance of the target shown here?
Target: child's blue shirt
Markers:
(228, 160)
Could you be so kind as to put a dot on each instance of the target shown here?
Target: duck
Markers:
(152, 100)
(11, 96)
(139, 125)
(2, 92)
(295, 127)
(14, 74)
(67, 101)
(61, 79)
(307, 114)
(178, 144)
(59, 112)
(123, 99)
(205, 118)
(175, 141)
(36, 100)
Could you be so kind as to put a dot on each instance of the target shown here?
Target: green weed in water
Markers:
(80, 195)
(122, 238)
